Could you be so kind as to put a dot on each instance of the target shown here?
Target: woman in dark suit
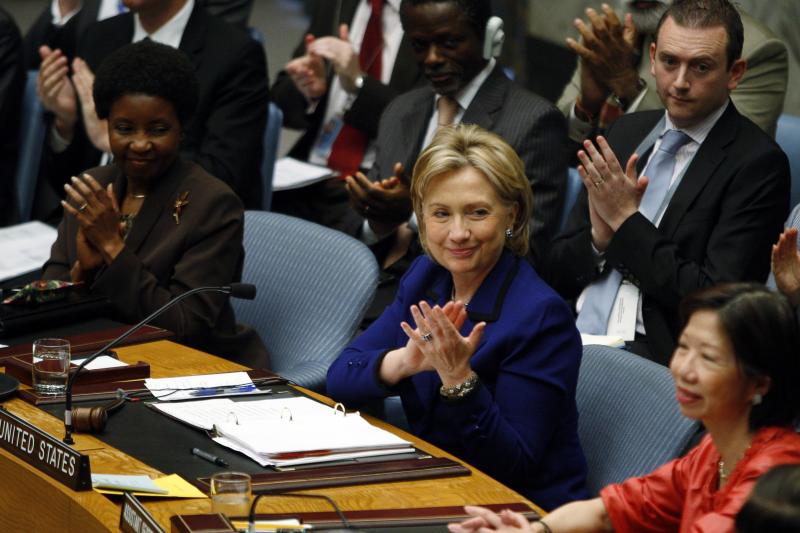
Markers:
(489, 367)
(153, 225)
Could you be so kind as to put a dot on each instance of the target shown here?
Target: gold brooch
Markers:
(180, 202)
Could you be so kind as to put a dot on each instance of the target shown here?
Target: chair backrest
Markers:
(272, 134)
(314, 285)
(788, 137)
(574, 184)
(629, 421)
(31, 140)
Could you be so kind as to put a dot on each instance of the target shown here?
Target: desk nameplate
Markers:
(134, 518)
(44, 452)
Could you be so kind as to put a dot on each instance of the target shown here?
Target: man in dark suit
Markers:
(59, 34)
(454, 42)
(349, 95)
(630, 255)
(225, 135)
(11, 86)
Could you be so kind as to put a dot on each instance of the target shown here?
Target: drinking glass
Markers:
(230, 493)
(50, 365)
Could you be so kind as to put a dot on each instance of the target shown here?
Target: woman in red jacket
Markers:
(736, 370)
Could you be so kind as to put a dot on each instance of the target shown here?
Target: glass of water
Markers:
(230, 493)
(50, 365)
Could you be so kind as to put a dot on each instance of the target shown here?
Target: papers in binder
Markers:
(286, 431)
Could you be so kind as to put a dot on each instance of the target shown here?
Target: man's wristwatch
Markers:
(358, 83)
(622, 102)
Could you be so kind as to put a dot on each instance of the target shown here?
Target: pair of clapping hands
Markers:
(60, 93)
(436, 344)
(608, 53)
(386, 203)
(97, 212)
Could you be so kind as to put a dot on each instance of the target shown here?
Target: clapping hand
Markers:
(56, 92)
(441, 343)
(607, 52)
(385, 204)
(483, 519)
(786, 265)
(96, 129)
(410, 360)
(308, 73)
(340, 52)
(98, 215)
(614, 193)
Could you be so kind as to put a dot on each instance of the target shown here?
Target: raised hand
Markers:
(409, 360)
(441, 343)
(96, 129)
(786, 265)
(385, 204)
(56, 92)
(308, 73)
(607, 52)
(97, 213)
(614, 193)
(340, 52)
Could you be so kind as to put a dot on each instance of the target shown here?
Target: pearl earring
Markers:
(756, 399)
(509, 233)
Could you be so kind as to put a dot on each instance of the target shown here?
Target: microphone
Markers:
(245, 291)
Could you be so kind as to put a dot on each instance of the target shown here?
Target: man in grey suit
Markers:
(455, 42)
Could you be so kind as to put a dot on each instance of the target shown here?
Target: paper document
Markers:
(126, 482)
(292, 174)
(603, 340)
(187, 387)
(172, 486)
(24, 248)
(103, 361)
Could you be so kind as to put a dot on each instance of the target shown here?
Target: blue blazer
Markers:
(520, 426)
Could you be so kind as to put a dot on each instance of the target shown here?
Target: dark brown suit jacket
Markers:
(163, 259)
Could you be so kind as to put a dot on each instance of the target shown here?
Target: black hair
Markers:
(774, 504)
(709, 14)
(478, 12)
(763, 330)
(147, 68)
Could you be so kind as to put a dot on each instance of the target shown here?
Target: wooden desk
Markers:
(31, 501)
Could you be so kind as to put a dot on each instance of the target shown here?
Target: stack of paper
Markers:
(292, 174)
(24, 248)
(287, 431)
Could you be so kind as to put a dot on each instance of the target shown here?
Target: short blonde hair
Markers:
(453, 148)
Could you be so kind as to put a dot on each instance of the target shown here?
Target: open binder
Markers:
(287, 431)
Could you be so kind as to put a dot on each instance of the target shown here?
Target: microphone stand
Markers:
(237, 290)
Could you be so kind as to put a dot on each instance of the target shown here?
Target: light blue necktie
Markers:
(601, 294)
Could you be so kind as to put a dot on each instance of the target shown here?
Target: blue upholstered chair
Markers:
(31, 139)
(788, 137)
(272, 135)
(629, 422)
(314, 285)
(574, 185)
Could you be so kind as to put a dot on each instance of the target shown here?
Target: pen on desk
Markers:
(209, 457)
(213, 391)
